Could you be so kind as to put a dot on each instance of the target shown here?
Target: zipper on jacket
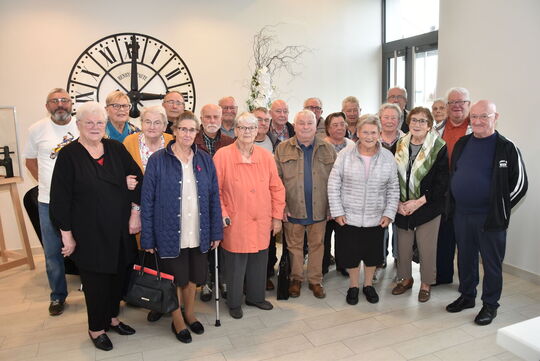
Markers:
(504, 209)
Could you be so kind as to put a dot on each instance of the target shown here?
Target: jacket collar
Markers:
(170, 152)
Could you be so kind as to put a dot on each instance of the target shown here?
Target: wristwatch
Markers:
(136, 207)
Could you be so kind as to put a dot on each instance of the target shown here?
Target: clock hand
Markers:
(134, 94)
(150, 96)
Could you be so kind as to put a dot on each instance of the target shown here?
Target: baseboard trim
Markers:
(518, 272)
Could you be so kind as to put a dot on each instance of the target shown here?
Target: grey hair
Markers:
(460, 90)
(400, 88)
(312, 98)
(90, 108)
(56, 90)
(248, 118)
(442, 100)
(155, 109)
(227, 97)
(390, 106)
(368, 119)
(305, 112)
(350, 99)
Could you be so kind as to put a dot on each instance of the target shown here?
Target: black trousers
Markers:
(472, 239)
(102, 293)
(446, 248)
(331, 227)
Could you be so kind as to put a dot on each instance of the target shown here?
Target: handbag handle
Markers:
(157, 265)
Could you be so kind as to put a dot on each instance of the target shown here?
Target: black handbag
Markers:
(152, 289)
(284, 272)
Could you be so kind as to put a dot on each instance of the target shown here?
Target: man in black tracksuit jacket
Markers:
(487, 179)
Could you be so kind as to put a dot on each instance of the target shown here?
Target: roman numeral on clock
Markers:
(173, 73)
(84, 97)
(109, 57)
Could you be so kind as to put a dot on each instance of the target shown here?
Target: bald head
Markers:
(483, 117)
(211, 119)
(279, 111)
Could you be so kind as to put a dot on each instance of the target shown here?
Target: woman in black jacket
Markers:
(97, 216)
(422, 161)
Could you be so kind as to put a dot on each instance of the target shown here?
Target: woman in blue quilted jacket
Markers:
(181, 217)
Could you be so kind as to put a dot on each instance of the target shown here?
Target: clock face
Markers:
(105, 66)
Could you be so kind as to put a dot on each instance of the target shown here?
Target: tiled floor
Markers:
(306, 328)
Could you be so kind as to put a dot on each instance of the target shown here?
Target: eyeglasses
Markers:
(155, 123)
(419, 121)
(282, 111)
(59, 100)
(229, 108)
(174, 102)
(458, 102)
(313, 108)
(395, 97)
(245, 129)
(481, 116)
(187, 130)
(120, 106)
(89, 124)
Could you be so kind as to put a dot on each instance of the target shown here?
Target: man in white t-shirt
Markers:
(45, 139)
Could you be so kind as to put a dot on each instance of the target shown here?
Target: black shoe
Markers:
(352, 295)
(197, 327)
(102, 342)
(56, 307)
(183, 336)
(154, 316)
(438, 283)
(371, 294)
(206, 292)
(486, 315)
(122, 329)
(264, 305)
(236, 312)
(460, 304)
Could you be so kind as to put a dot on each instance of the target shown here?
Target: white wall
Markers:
(491, 47)
(41, 40)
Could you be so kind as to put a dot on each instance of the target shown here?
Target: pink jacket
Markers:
(251, 195)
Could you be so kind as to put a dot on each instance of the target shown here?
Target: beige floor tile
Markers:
(343, 332)
(199, 348)
(430, 357)
(267, 334)
(212, 357)
(474, 350)
(338, 318)
(18, 353)
(431, 343)
(74, 355)
(269, 349)
(381, 354)
(386, 337)
(333, 351)
(504, 318)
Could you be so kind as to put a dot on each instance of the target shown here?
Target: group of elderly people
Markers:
(349, 174)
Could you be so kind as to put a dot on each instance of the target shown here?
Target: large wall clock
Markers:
(142, 66)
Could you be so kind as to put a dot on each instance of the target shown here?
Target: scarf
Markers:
(421, 166)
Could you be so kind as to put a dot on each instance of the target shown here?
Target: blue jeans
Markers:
(54, 261)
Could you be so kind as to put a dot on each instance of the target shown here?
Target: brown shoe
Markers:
(402, 286)
(424, 295)
(294, 288)
(318, 290)
(269, 285)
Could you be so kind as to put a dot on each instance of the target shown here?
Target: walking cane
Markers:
(216, 287)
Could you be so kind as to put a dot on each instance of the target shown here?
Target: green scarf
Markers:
(421, 166)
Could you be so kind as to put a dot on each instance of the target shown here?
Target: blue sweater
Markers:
(161, 202)
(471, 181)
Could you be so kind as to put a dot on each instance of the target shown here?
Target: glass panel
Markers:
(406, 18)
(400, 79)
(425, 77)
